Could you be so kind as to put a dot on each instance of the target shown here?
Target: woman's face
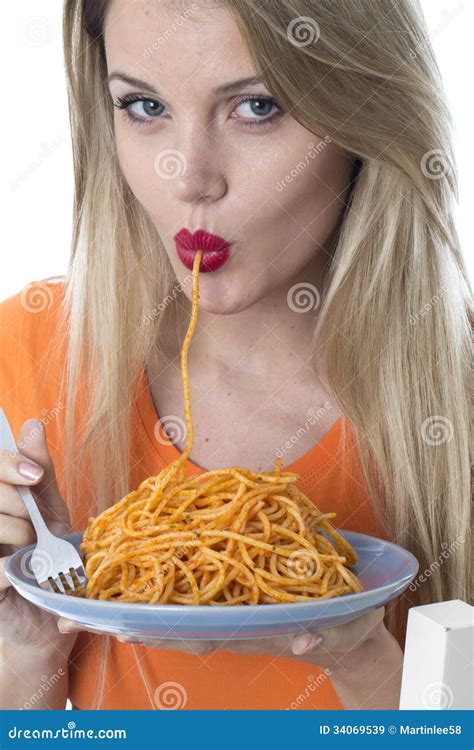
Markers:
(200, 157)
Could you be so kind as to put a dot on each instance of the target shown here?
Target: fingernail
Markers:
(304, 643)
(65, 627)
(30, 471)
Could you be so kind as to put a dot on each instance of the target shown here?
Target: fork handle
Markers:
(36, 518)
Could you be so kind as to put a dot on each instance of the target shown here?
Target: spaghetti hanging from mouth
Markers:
(226, 537)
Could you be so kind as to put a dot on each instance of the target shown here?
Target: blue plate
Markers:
(384, 568)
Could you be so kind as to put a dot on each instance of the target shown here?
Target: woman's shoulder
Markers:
(31, 312)
(31, 347)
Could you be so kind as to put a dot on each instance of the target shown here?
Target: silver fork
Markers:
(55, 563)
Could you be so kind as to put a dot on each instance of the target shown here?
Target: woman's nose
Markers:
(194, 169)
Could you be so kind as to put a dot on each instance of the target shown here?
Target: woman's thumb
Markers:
(32, 444)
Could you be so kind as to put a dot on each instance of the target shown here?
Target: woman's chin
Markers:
(220, 300)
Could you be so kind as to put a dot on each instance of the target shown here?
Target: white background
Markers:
(37, 161)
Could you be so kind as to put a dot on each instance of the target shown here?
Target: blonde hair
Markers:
(395, 317)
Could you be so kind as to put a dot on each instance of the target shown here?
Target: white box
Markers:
(438, 666)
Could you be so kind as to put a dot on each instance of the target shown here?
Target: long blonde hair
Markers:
(395, 316)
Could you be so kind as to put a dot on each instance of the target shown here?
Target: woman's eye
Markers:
(138, 109)
(258, 109)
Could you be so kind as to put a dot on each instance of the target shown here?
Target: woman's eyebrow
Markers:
(222, 89)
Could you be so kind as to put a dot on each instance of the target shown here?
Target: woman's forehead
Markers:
(168, 18)
(203, 48)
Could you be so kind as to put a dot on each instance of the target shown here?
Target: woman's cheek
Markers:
(138, 163)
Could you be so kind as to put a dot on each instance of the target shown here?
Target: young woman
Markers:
(314, 140)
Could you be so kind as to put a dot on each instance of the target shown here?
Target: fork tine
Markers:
(81, 574)
(58, 583)
(78, 581)
(75, 577)
(68, 582)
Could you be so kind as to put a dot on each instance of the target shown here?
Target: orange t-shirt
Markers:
(29, 385)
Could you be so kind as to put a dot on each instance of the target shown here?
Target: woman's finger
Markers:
(16, 531)
(306, 642)
(11, 502)
(4, 582)
(69, 626)
(342, 638)
(13, 466)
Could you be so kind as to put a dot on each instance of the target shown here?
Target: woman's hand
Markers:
(362, 658)
(23, 624)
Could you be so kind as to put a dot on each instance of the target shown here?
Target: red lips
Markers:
(216, 249)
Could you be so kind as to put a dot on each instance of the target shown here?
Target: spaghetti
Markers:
(226, 537)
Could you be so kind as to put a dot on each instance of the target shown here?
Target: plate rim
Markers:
(203, 610)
